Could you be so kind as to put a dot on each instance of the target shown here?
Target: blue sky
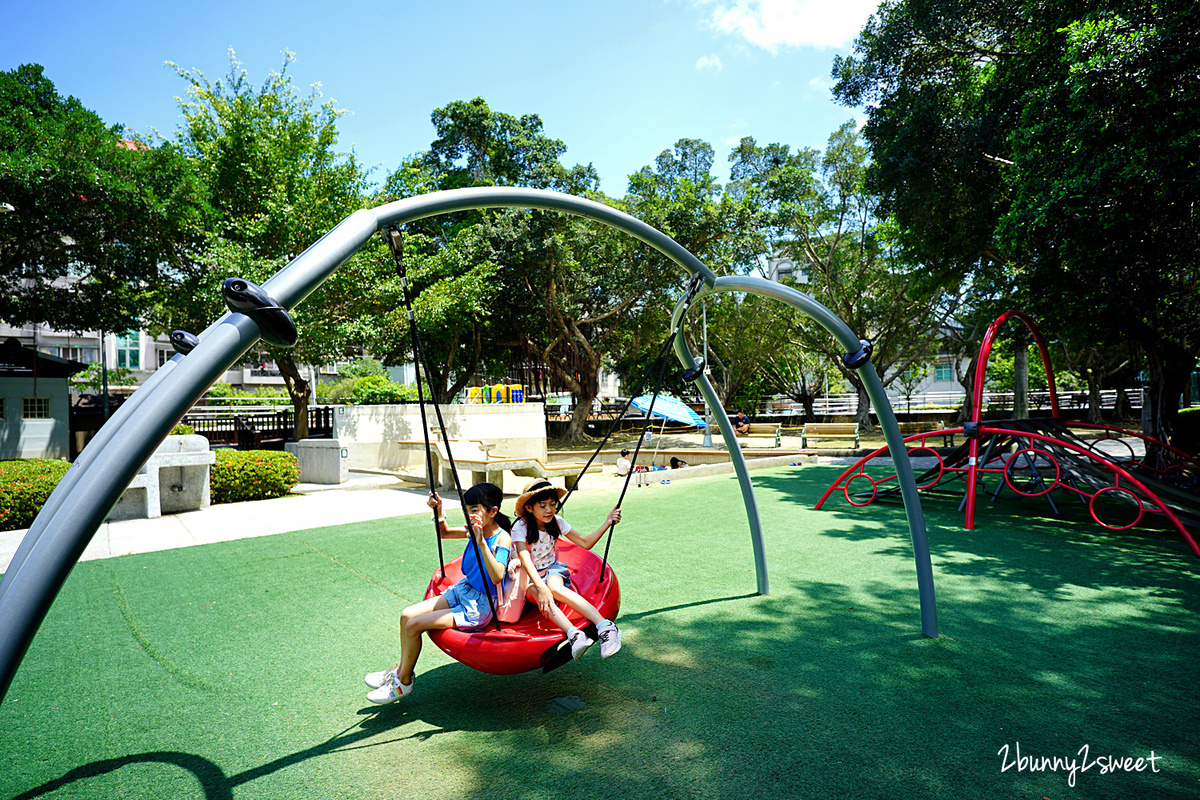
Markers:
(617, 81)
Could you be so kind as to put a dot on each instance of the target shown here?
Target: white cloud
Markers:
(709, 64)
(771, 24)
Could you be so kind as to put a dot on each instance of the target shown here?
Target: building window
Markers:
(943, 372)
(164, 356)
(129, 351)
(35, 408)
(84, 355)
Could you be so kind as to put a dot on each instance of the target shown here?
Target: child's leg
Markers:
(555, 613)
(573, 599)
(428, 615)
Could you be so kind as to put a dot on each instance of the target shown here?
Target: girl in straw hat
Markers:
(535, 534)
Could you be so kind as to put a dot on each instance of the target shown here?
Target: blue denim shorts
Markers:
(557, 568)
(469, 606)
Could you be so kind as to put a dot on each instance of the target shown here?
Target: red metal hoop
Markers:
(1092, 445)
(1137, 501)
(1008, 467)
(846, 489)
(941, 465)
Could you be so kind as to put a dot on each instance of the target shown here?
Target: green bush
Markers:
(223, 394)
(24, 486)
(182, 430)
(369, 389)
(339, 392)
(242, 475)
(361, 368)
(381, 389)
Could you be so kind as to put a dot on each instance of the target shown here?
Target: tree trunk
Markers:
(967, 381)
(297, 389)
(863, 415)
(1122, 410)
(1167, 379)
(1021, 382)
(1094, 414)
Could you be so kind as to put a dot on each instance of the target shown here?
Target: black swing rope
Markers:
(395, 242)
(661, 360)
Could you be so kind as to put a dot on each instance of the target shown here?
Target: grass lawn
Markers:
(235, 670)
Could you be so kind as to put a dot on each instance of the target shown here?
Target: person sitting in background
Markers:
(741, 424)
(676, 463)
(623, 463)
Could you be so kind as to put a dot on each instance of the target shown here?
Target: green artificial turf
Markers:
(235, 670)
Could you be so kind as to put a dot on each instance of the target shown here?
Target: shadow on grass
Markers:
(1055, 638)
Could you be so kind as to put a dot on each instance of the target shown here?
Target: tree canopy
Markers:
(96, 218)
(276, 183)
(1049, 149)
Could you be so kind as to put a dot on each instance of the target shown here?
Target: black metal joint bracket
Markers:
(856, 360)
(274, 323)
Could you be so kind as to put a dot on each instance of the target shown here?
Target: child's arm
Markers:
(496, 570)
(590, 540)
(545, 596)
(444, 531)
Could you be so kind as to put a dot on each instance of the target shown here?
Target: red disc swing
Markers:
(530, 642)
(533, 641)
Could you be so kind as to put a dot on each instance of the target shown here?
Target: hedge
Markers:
(241, 475)
(25, 485)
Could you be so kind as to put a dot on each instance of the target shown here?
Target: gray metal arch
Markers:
(94, 483)
(883, 410)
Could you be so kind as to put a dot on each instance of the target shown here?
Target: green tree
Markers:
(96, 217)
(816, 208)
(1054, 142)
(496, 287)
(92, 379)
(277, 184)
(680, 196)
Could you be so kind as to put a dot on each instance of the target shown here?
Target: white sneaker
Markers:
(579, 642)
(391, 690)
(610, 640)
(377, 679)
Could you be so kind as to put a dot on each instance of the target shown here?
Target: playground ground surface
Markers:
(234, 669)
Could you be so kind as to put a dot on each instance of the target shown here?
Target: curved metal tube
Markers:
(94, 484)
(981, 363)
(883, 409)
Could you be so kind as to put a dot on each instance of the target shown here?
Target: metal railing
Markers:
(256, 428)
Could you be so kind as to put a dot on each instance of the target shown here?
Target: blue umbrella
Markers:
(670, 407)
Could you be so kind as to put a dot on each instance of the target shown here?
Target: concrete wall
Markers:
(371, 432)
(35, 438)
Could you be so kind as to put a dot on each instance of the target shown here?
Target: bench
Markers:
(764, 430)
(828, 430)
(472, 454)
(180, 465)
(913, 428)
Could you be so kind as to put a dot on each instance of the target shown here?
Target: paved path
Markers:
(316, 506)
(364, 497)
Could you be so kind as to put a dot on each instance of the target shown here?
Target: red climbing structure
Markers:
(1039, 457)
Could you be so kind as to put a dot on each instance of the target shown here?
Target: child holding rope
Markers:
(464, 605)
(535, 534)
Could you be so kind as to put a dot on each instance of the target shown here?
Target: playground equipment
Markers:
(532, 641)
(499, 393)
(77, 507)
(1035, 457)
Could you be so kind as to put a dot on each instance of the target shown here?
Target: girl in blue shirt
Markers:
(464, 605)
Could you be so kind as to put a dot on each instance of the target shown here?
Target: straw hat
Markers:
(535, 486)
